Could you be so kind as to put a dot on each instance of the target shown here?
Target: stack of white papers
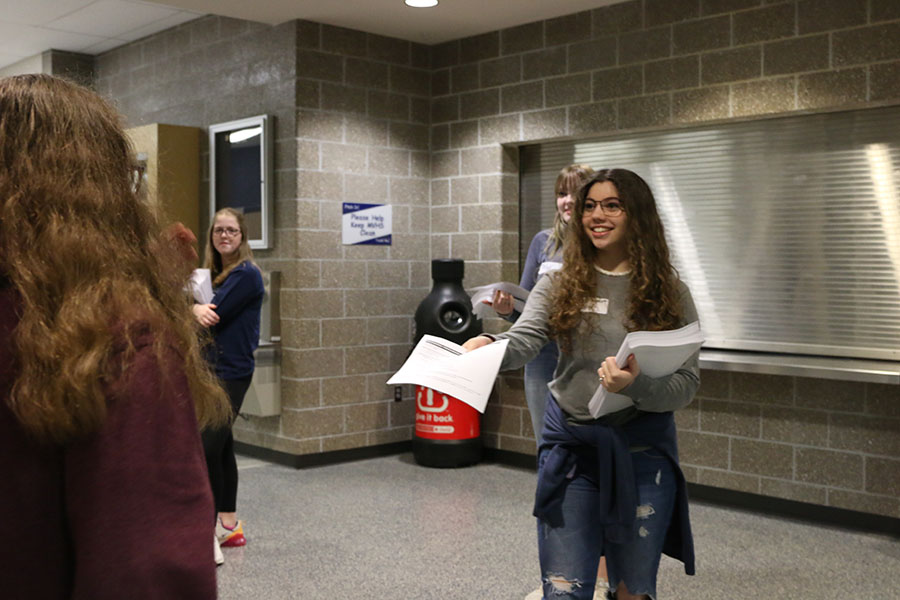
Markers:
(201, 286)
(658, 353)
(486, 292)
(446, 367)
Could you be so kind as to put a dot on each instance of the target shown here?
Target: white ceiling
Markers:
(28, 27)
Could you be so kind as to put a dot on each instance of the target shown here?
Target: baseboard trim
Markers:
(321, 459)
(793, 509)
(766, 505)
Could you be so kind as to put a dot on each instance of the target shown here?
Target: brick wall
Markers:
(433, 132)
(656, 64)
(362, 136)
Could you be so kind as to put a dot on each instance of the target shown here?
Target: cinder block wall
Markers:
(433, 132)
(656, 64)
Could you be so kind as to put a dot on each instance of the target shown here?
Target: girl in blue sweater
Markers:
(233, 317)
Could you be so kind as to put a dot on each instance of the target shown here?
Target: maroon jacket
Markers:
(124, 513)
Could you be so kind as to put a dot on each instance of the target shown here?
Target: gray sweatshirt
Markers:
(598, 335)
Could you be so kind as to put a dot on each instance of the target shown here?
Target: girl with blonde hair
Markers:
(233, 318)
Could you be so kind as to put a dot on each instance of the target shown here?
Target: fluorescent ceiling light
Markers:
(421, 3)
(244, 134)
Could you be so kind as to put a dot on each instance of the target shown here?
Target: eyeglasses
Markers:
(610, 208)
(231, 231)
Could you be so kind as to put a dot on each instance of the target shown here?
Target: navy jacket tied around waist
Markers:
(604, 450)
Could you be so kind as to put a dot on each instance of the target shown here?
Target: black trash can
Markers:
(447, 430)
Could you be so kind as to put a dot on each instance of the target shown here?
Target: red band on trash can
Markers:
(443, 417)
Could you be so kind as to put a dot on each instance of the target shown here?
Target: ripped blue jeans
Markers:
(570, 553)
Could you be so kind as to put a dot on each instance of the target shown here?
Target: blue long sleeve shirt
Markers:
(236, 336)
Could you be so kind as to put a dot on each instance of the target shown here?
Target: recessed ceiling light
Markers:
(421, 3)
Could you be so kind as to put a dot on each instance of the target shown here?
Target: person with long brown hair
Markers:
(233, 318)
(103, 385)
(608, 486)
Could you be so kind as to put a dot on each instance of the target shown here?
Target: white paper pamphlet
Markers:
(486, 292)
(446, 367)
(201, 286)
(658, 353)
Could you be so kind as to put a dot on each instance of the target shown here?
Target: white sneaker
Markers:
(217, 552)
(537, 594)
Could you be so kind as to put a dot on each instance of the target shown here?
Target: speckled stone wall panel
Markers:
(700, 35)
(444, 109)
(568, 29)
(389, 49)
(711, 7)
(834, 88)
(522, 97)
(544, 124)
(762, 97)
(866, 44)
(500, 71)
(498, 129)
(826, 467)
(764, 24)
(731, 65)
(571, 89)
(480, 47)
(700, 105)
(522, 38)
(882, 399)
(544, 63)
(671, 74)
(884, 81)
(663, 12)
(595, 118)
(445, 54)
(479, 104)
(883, 10)
(644, 111)
(823, 15)
(618, 18)
(762, 458)
(617, 82)
(593, 54)
(796, 55)
(640, 46)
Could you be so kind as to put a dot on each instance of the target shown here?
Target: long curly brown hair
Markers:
(654, 299)
(84, 254)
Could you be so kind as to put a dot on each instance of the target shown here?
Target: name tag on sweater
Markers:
(598, 306)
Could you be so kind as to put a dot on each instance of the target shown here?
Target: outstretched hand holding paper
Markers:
(658, 353)
(486, 292)
(446, 367)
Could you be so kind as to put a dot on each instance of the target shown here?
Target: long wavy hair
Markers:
(84, 254)
(212, 259)
(568, 181)
(653, 298)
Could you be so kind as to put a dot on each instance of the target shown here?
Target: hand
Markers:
(476, 342)
(205, 314)
(615, 379)
(502, 303)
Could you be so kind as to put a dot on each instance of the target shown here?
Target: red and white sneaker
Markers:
(229, 538)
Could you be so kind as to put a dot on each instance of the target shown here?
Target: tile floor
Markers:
(388, 528)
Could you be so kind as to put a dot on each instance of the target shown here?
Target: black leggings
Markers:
(218, 445)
